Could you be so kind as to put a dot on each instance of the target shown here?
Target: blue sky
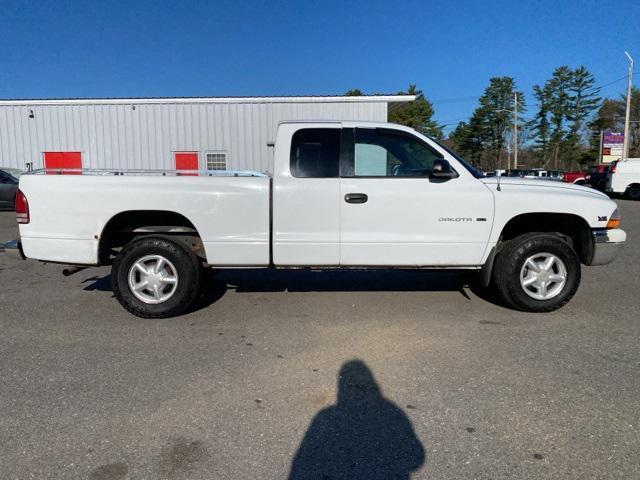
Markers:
(449, 49)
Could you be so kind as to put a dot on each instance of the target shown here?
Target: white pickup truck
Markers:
(342, 194)
(624, 178)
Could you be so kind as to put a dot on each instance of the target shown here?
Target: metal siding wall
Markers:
(119, 137)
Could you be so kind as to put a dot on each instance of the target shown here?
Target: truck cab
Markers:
(367, 194)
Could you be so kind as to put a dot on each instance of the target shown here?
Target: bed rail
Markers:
(162, 173)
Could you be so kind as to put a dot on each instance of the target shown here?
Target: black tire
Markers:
(208, 276)
(187, 269)
(634, 192)
(509, 264)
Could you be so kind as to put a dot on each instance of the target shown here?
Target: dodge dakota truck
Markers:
(342, 195)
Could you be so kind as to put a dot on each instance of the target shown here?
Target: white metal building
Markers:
(211, 133)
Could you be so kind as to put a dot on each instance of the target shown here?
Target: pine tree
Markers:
(540, 124)
(559, 107)
(484, 137)
(467, 141)
(417, 114)
(584, 100)
(496, 112)
(565, 103)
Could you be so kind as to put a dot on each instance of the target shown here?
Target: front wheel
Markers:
(536, 272)
(155, 277)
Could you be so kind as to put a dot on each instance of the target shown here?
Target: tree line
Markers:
(562, 133)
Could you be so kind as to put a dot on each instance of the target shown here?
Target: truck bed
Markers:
(230, 211)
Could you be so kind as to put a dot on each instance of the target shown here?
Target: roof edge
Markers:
(207, 100)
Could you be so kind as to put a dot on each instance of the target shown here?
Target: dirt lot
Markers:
(433, 379)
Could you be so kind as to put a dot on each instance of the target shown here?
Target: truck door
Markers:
(393, 213)
(306, 191)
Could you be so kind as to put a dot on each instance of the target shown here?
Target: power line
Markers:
(467, 98)
(611, 83)
(450, 123)
(440, 101)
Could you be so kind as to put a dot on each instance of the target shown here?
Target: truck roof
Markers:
(351, 124)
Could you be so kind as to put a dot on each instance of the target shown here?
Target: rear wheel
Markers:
(155, 277)
(634, 192)
(536, 272)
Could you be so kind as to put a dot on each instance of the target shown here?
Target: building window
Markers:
(216, 160)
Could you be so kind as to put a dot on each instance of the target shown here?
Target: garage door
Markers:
(63, 160)
(186, 161)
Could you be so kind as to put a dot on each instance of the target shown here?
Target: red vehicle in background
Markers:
(579, 178)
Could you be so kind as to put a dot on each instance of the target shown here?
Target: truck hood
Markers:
(534, 182)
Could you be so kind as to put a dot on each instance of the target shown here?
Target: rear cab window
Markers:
(315, 153)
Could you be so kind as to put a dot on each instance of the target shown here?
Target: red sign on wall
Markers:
(186, 161)
(63, 160)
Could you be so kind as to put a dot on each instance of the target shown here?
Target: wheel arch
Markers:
(124, 226)
(567, 224)
(573, 228)
(630, 186)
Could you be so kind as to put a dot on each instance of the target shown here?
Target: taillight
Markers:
(22, 208)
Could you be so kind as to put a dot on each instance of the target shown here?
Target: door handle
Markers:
(356, 198)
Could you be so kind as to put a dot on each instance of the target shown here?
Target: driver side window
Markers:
(387, 153)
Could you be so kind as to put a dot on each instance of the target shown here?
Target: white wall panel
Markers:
(120, 136)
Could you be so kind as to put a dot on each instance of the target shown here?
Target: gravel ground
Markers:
(276, 373)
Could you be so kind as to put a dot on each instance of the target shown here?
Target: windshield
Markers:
(470, 168)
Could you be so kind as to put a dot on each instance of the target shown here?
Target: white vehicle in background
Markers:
(543, 174)
(535, 173)
(496, 173)
(342, 194)
(624, 178)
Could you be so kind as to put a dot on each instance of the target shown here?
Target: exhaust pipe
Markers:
(71, 270)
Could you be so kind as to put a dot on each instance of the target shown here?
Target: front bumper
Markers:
(606, 245)
(13, 248)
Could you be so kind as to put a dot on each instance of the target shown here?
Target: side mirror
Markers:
(442, 169)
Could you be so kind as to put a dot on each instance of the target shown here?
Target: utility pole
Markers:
(600, 149)
(625, 145)
(515, 130)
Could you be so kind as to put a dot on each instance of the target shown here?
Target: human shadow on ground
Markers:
(362, 436)
(216, 283)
